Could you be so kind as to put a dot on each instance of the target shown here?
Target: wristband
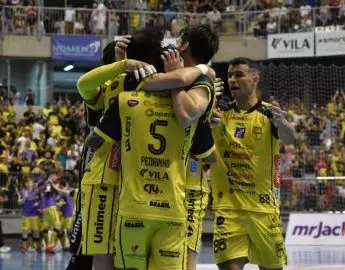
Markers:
(203, 68)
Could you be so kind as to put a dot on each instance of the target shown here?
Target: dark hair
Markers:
(245, 61)
(109, 53)
(203, 42)
(145, 43)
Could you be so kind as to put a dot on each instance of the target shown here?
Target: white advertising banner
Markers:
(290, 45)
(330, 43)
(316, 229)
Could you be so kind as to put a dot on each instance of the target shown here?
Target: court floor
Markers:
(300, 258)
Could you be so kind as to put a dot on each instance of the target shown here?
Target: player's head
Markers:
(198, 42)
(145, 44)
(109, 53)
(243, 77)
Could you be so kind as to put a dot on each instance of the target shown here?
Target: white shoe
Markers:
(31, 249)
(57, 248)
(5, 249)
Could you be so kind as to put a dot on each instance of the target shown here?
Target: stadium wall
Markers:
(33, 47)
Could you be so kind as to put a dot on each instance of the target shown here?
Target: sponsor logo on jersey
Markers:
(168, 253)
(149, 103)
(151, 112)
(152, 189)
(240, 183)
(240, 132)
(99, 224)
(244, 176)
(220, 220)
(132, 103)
(241, 166)
(237, 155)
(114, 85)
(160, 204)
(190, 231)
(76, 229)
(115, 157)
(128, 133)
(257, 133)
(134, 248)
(185, 140)
(155, 162)
(233, 190)
(154, 175)
(280, 251)
(191, 206)
(276, 171)
(193, 166)
(134, 224)
(220, 195)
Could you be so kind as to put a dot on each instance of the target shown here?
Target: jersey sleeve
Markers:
(89, 85)
(203, 144)
(109, 127)
(92, 116)
(204, 81)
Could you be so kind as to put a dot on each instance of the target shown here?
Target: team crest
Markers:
(257, 133)
(239, 132)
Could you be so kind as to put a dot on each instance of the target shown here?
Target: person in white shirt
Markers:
(37, 128)
(101, 18)
(69, 19)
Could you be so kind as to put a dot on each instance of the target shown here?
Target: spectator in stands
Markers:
(70, 17)
(30, 97)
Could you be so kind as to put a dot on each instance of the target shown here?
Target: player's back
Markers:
(154, 153)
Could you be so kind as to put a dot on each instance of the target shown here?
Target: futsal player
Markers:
(144, 220)
(29, 200)
(245, 180)
(104, 164)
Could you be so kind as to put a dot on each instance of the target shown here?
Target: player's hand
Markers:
(215, 118)
(218, 86)
(121, 47)
(140, 69)
(211, 72)
(278, 115)
(172, 60)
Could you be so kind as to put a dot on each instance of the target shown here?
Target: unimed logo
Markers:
(319, 230)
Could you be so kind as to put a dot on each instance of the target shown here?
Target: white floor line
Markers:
(290, 267)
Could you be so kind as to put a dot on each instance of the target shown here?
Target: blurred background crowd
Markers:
(51, 138)
(119, 17)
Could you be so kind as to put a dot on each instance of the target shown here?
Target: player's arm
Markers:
(176, 76)
(89, 84)
(108, 128)
(190, 105)
(203, 147)
(286, 131)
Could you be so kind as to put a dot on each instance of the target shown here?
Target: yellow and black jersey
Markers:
(246, 176)
(154, 153)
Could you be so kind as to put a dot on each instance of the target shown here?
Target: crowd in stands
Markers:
(52, 139)
(38, 143)
(319, 152)
(109, 17)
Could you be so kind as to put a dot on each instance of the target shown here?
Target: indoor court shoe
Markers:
(5, 249)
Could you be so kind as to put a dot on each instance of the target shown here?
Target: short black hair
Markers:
(109, 53)
(145, 43)
(203, 42)
(245, 61)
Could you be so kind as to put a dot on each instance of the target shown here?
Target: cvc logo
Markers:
(319, 230)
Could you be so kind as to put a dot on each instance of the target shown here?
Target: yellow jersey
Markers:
(103, 166)
(246, 176)
(154, 153)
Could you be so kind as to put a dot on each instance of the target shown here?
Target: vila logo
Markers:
(292, 44)
(319, 230)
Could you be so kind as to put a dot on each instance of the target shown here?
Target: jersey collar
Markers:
(252, 109)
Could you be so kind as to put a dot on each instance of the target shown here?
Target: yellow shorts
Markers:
(31, 224)
(51, 218)
(67, 223)
(98, 212)
(150, 244)
(256, 236)
(196, 205)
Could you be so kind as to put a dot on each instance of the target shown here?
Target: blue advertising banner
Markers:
(79, 48)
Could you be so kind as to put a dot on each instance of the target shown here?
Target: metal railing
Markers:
(317, 194)
(41, 21)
